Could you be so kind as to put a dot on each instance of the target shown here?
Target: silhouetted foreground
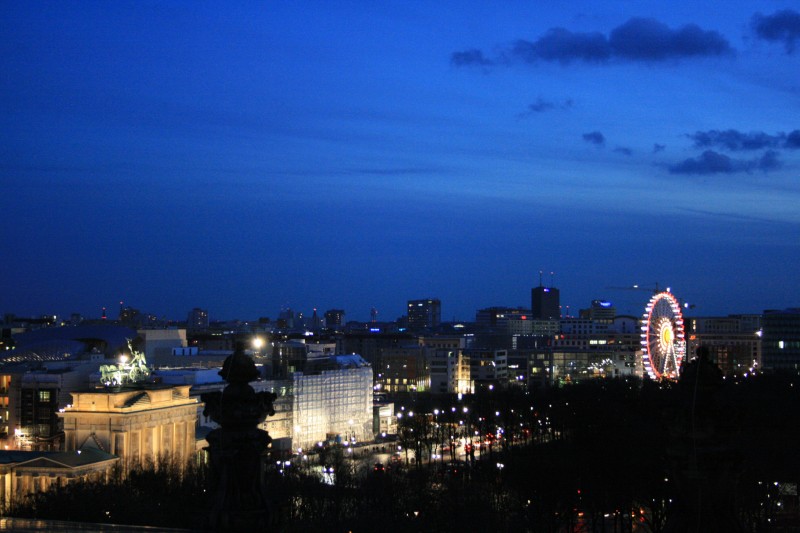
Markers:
(599, 464)
(237, 448)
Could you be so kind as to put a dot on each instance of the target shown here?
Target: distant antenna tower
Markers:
(552, 279)
(373, 314)
(540, 278)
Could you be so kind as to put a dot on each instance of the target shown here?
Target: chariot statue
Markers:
(127, 371)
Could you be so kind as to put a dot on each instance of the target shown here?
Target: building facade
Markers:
(780, 342)
(545, 303)
(734, 342)
(335, 401)
(424, 314)
(138, 423)
(334, 319)
(197, 320)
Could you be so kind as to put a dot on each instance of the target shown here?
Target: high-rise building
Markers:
(780, 343)
(601, 311)
(545, 303)
(334, 318)
(424, 314)
(197, 320)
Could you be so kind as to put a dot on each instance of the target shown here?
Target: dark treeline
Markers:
(595, 456)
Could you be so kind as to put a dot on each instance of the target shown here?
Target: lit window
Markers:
(44, 395)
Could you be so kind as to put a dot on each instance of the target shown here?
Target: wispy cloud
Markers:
(781, 27)
(472, 56)
(400, 171)
(637, 40)
(623, 150)
(711, 162)
(542, 105)
(735, 140)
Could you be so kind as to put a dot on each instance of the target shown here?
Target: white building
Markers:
(161, 342)
(333, 401)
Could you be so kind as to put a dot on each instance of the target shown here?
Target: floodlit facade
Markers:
(335, 401)
(137, 423)
(23, 473)
(450, 371)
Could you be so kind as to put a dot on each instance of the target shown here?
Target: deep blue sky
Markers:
(344, 154)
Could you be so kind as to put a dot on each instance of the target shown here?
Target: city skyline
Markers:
(349, 156)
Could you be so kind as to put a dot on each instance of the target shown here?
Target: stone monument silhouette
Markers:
(237, 449)
(702, 455)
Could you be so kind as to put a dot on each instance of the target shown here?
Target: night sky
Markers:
(350, 155)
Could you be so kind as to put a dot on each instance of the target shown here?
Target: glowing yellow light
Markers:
(666, 336)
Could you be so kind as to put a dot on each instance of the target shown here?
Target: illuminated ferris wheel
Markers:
(663, 341)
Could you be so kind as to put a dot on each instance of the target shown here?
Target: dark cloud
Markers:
(642, 39)
(623, 150)
(470, 57)
(638, 39)
(735, 140)
(782, 26)
(541, 105)
(564, 46)
(711, 162)
(594, 137)
(658, 148)
(768, 161)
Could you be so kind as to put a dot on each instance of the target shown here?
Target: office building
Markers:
(733, 342)
(780, 343)
(424, 314)
(601, 311)
(334, 319)
(545, 303)
(449, 371)
(197, 320)
(498, 317)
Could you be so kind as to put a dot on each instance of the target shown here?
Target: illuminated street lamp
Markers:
(258, 343)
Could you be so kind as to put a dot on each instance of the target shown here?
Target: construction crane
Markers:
(653, 287)
(632, 304)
